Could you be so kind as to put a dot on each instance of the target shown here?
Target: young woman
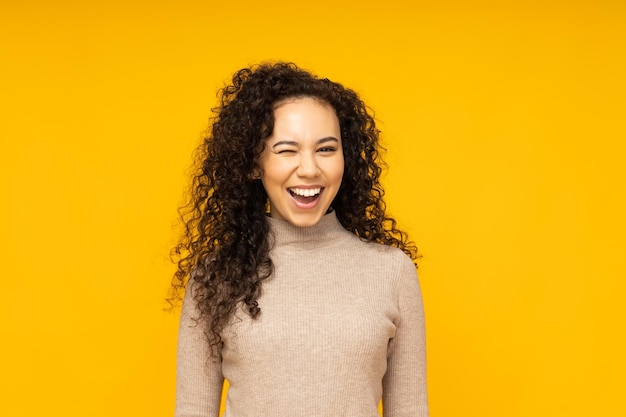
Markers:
(299, 289)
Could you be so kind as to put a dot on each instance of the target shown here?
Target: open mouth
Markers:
(305, 195)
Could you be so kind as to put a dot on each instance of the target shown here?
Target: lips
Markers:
(305, 197)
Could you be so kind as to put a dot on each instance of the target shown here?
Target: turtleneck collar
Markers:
(327, 232)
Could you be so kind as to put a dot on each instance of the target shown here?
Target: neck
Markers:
(327, 232)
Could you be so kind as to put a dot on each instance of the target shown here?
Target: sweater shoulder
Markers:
(396, 264)
(381, 251)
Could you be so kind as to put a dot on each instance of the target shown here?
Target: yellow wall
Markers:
(505, 127)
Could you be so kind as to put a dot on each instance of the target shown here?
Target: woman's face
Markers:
(302, 163)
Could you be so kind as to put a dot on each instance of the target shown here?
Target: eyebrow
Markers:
(294, 143)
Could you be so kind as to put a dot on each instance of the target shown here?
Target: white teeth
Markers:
(306, 192)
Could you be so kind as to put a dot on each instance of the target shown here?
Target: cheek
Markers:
(337, 169)
(274, 173)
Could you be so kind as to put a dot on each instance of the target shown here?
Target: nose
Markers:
(308, 166)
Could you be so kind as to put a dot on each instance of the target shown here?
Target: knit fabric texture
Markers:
(341, 326)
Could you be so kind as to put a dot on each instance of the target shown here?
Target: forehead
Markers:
(305, 115)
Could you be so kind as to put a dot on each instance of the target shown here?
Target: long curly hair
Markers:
(224, 249)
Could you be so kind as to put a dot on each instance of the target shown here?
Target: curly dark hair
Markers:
(224, 250)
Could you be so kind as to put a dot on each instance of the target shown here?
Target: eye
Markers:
(285, 151)
(327, 149)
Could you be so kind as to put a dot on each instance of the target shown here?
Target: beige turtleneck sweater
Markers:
(341, 327)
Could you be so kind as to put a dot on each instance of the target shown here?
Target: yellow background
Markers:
(504, 123)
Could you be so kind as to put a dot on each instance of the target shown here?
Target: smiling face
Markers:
(302, 163)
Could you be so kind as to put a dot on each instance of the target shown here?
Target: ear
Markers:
(255, 174)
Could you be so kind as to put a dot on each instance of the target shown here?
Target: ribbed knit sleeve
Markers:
(404, 384)
(199, 377)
